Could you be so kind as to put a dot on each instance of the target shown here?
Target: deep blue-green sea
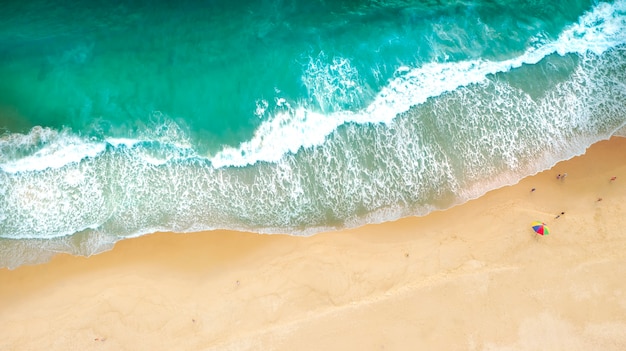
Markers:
(119, 119)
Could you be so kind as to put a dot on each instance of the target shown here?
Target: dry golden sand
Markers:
(473, 277)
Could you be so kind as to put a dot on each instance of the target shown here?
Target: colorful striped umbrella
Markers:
(540, 228)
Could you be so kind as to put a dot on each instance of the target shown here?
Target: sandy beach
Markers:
(473, 277)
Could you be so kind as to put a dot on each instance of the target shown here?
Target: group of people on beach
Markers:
(562, 177)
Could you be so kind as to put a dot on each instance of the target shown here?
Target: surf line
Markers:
(288, 131)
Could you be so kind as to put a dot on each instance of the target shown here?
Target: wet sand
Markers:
(473, 277)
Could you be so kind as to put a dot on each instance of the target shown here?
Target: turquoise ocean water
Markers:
(119, 120)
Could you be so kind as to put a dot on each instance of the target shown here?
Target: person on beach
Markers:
(613, 178)
(559, 215)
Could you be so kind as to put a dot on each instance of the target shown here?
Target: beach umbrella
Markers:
(540, 228)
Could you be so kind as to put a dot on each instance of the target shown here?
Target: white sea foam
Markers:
(53, 150)
(58, 149)
(46, 148)
(287, 131)
(332, 83)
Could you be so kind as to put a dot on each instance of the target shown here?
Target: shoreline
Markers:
(473, 276)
